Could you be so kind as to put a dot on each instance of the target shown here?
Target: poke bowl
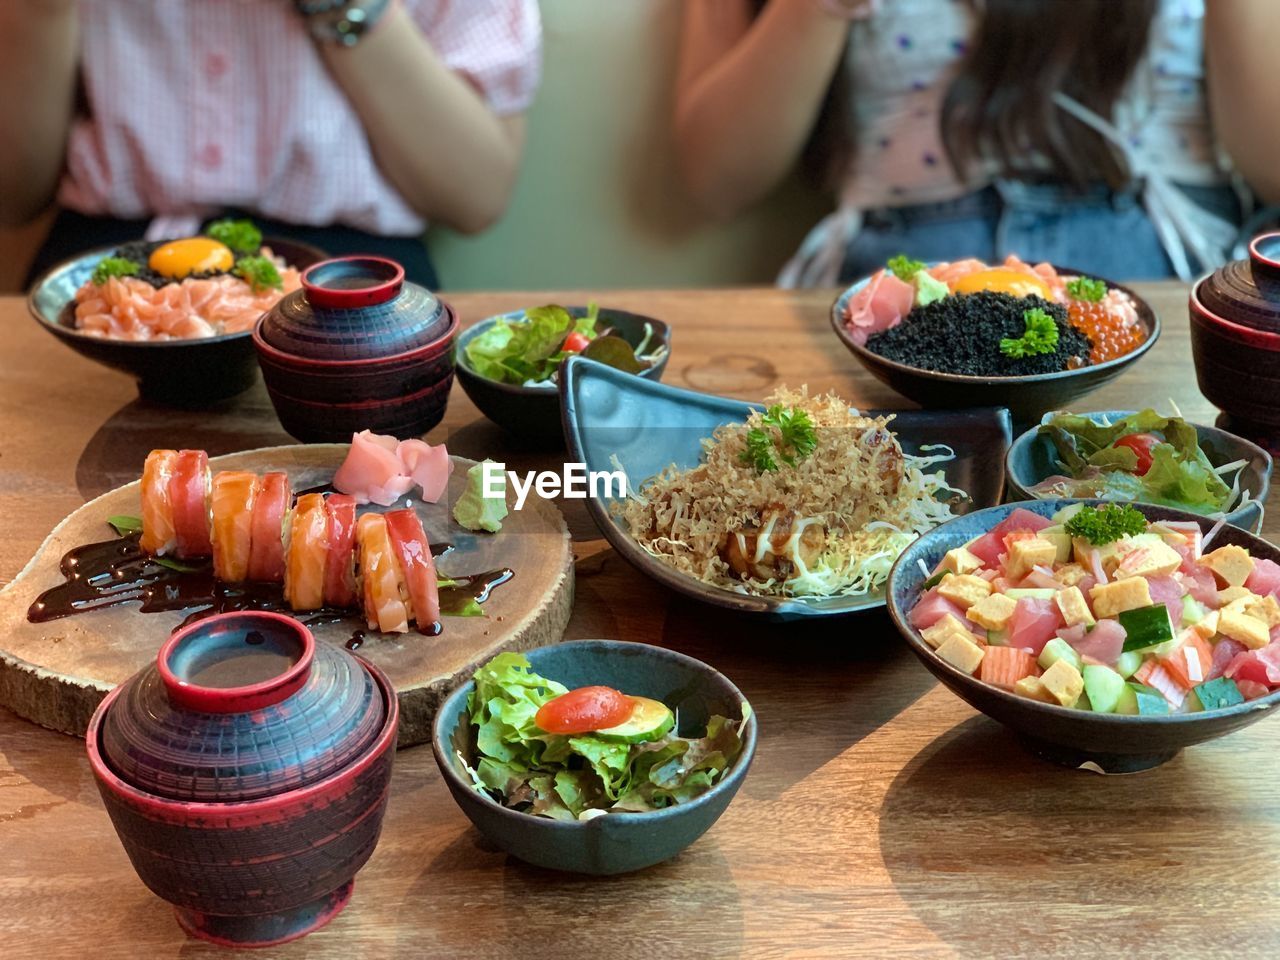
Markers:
(177, 371)
(659, 438)
(1035, 467)
(640, 832)
(532, 410)
(1185, 689)
(1007, 361)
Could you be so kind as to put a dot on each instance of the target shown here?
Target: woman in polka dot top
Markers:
(1077, 132)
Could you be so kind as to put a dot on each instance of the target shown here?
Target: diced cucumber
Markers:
(1058, 649)
(1066, 513)
(1127, 703)
(649, 720)
(1033, 593)
(1104, 687)
(934, 580)
(1060, 539)
(1146, 626)
(1219, 693)
(1193, 611)
(998, 638)
(1150, 702)
(1128, 663)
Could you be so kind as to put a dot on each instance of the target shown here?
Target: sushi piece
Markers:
(380, 578)
(232, 498)
(417, 566)
(339, 564)
(305, 553)
(266, 543)
(158, 535)
(189, 502)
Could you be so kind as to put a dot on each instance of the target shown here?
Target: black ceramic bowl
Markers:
(616, 842)
(534, 412)
(1114, 743)
(1026, 397)
(1032, 458)
(187, 373)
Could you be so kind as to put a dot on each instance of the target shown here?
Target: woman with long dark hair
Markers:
(1121, 137)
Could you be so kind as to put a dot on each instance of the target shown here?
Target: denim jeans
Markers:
(1099, 232)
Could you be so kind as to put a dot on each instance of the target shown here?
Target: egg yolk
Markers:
(181, 258)
(1001, 280)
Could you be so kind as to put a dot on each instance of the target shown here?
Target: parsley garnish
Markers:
(1086, 288)
(795, 439)
(114, 267)
(1041, 336)
(904, 268)
(259, 272)
(1104, 524)
(240, 235)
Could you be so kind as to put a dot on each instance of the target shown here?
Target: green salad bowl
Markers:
(615, 842)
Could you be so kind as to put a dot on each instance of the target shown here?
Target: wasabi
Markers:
(474, 510)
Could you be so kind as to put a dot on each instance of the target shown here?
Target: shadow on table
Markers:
(995, 850)
(487, 904)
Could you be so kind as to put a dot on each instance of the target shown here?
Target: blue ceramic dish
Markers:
(533, 413)
(1032, 458)
(616, 842)
(187, 373)
(1109, 742)
(648, 426)
(1026, 397)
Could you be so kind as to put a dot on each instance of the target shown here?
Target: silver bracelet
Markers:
(343, 22)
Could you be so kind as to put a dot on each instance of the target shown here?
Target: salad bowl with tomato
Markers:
(509, 365)
(594, 756)
(1142, 456)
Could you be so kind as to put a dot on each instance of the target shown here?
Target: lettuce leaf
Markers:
(1181, 475)
(574, 777)
(520, 351)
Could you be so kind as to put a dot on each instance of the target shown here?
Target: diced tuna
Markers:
(1265, 578)
(1223, 653)
(1168, 591)
(988, 548)
(1034, 623)
(931, 608)
(1103, 643)
(1021, 519)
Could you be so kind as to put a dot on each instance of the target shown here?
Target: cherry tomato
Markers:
(575, 342)
(1141, 444)
(584, 710)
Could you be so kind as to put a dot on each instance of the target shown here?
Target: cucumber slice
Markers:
(1127, 703)
(1192, 610)
(1104, 687)
(1066, 513)
(1219, 693)
(1146, 626)
(1058, 649)
(1128, 663)
(998, 638)
(650, 720)
(1150, 701)
(1033, 593)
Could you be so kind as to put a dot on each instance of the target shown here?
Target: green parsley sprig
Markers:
(259, 272)
(1041, 336)
(903, 267)
(1104, 524)
(240, 235)
(792, 438)
(114, 267)
(1086, 288)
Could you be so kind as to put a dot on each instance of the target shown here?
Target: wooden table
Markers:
(883, 817)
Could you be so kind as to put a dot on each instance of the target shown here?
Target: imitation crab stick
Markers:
(158, 534)
(305, 553)
(232, 502)
(1005, 666)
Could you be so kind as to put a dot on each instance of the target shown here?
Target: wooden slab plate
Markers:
(55, 673)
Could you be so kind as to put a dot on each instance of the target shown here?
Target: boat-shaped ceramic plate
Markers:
(613, 420)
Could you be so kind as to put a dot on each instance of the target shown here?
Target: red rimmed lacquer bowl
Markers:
(358, 347)
(247, 774)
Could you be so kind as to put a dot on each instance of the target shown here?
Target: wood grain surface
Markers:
(882, 817)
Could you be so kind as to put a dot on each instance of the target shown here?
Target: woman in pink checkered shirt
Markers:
(350, 124)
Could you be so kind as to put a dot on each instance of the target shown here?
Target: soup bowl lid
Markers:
(358, 308)
(1247, 291)
(241, 706)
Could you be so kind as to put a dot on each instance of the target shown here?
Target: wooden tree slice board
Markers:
(55, 673)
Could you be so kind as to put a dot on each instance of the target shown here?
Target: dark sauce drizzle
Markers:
(113, 572)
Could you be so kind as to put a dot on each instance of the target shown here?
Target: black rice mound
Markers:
(962, 334)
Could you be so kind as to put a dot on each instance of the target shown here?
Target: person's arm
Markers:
(449, 155)
(748, 94)
(1244, 96)
(38, 73)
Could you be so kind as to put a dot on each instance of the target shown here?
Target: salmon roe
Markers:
(1112, 336)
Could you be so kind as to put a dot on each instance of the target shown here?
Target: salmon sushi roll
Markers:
(158, 535)
(305, 553)
(189, 500)
(381, 582)
(266, 540)
(339, 565)
(417, 566)
(232, 497)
